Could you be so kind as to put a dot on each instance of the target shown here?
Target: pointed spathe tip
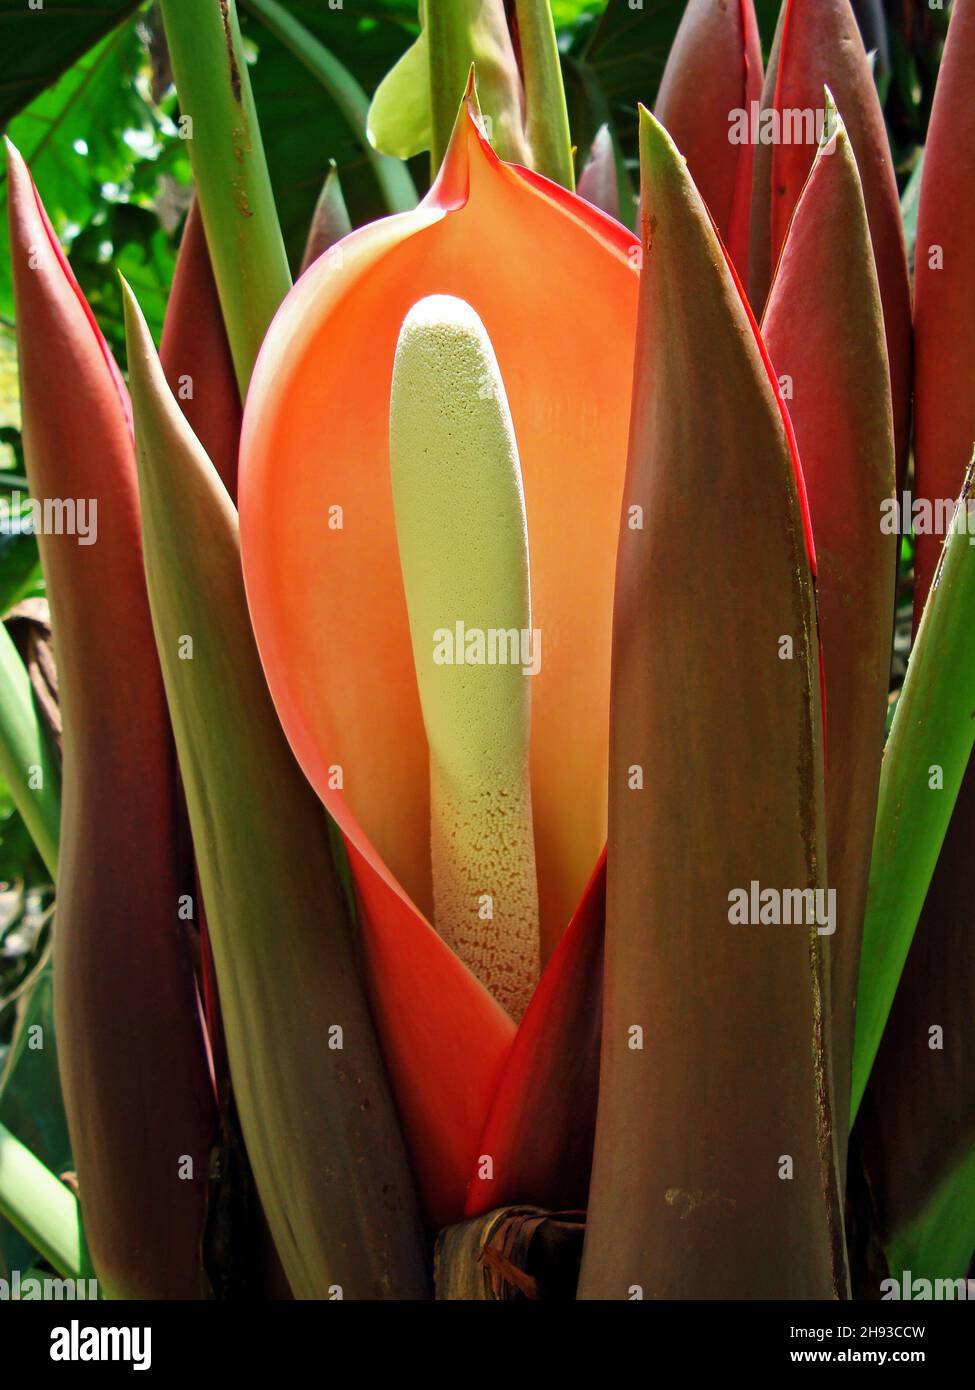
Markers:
(657, 149)
(834, 127)
(450, 185)
(17, 171)
(135, 324)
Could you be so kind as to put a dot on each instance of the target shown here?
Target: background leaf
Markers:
(97, 145)
(41, 44)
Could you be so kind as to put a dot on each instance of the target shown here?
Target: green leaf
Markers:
(400, 121)
(40, 44)
(30, 1092)
(20, 563)
(97, 146)
(393, 179)
(42, 1209)
(302, 123)
(933, 728)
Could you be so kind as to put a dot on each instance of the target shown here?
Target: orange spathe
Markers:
(555, 283)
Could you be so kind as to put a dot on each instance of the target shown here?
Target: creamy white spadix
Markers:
(463, 544)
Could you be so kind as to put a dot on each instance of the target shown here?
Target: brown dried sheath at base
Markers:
(824, 330)
(714, 1172)
(130, 1047)
(310, 1086)
(513, 1253)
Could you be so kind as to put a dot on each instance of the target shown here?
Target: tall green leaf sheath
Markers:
(232, 183)
(919, 1110)
(824, 328)
(315, 1110)
(714, 1173)
(129, 1038)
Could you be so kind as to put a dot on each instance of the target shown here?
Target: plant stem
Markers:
(42, 1209)
(392, 175)
(547, 115)
(27, 761)
(243, 233)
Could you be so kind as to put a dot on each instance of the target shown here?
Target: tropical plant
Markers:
(493, 856)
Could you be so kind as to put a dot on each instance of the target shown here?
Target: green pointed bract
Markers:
(714, 1171)
(924, 763)
(309, 1084)
(463, 544)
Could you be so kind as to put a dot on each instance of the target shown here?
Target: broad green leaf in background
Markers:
(392, 178)
(41, 43)
(97, 146)
(302, 124)
(20, 564)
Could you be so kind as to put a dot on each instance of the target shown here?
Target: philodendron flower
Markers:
(494, 505)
